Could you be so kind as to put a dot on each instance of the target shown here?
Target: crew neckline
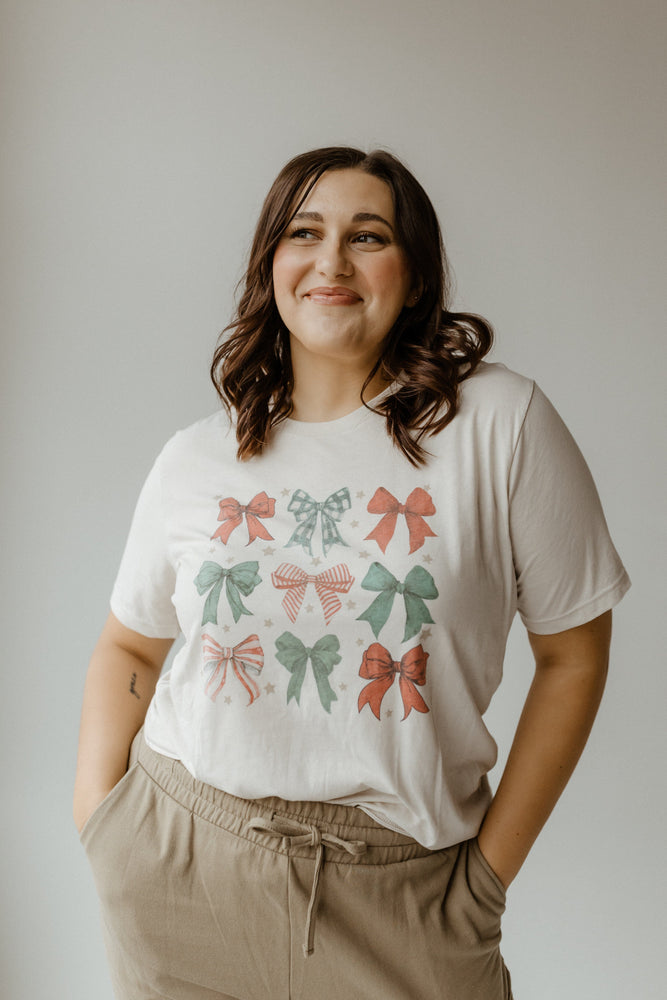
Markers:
(313, 428)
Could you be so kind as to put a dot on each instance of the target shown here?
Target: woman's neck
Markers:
(327, 394)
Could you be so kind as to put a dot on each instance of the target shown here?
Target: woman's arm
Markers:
(121, 679)
(570, 673)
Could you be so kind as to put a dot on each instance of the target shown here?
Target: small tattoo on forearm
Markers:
(133, 689)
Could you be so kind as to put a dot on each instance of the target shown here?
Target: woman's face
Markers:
(340, 278)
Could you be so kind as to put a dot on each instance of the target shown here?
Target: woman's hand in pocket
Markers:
(86, 801)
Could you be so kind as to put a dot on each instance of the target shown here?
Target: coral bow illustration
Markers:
(416, 507)
(418, 587)
(323, 656)
(306, 511)
(380, 668)
(240, 579)
(328, 584)
(246, 655)
(232, 513)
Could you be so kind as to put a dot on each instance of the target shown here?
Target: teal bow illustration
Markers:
(240, 579)
(305, 510)
(418, 587)
(323, 656)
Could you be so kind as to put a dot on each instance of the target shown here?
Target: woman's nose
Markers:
(333, 260)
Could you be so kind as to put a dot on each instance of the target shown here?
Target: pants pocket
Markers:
(105, 807)
(478, 857)
(474, 901)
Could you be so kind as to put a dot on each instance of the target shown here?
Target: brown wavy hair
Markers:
(428, 351)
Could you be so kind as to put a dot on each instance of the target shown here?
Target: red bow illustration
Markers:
(328, 584)
(231, 514)
(416, 507)
(380, 668)
(247, 655)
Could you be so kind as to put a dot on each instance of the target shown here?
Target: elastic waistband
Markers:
(347, 823)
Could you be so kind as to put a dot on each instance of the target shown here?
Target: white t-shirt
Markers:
(345, 615)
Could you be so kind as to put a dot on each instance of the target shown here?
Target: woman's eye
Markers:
(369, 238)
(302, 234)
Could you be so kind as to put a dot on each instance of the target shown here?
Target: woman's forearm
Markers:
(119, 685)
(552, 732)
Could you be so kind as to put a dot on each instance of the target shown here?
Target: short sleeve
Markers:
(567, 569)
(142, 594)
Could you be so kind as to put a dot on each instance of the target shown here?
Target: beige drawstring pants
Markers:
(205, 896)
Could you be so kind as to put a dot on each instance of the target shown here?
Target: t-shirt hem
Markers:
(602, 602)
(149, 629)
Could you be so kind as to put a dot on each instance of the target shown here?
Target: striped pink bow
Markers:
(328, 585)
(246, 655)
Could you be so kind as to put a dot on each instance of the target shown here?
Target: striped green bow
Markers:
(323, 656)
(305, 510)
(419, 586)
(240, 579)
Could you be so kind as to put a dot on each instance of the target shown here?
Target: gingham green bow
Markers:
(323, 656)
(305, 510)
(240, 579)
(419, 586)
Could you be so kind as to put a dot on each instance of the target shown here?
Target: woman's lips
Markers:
(337, 296)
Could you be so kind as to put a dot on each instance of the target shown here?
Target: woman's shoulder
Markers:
(209, 434)
(496, 389)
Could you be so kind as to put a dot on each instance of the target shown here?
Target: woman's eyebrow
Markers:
(359, 217)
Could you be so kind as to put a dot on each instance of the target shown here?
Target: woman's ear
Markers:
(415, 294)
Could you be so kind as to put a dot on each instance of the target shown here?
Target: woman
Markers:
(306, 812)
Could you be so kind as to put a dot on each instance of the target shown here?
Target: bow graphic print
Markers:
(305, 510)
(416, 507)
(240, 579)
(328, 584)
(232, 512)
(418, 587)
(246, 655)
(323, 656)
(380, 668)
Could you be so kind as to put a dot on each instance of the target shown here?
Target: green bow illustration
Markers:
(240, 579)
(305, 510)
(323, 656)
(418, 587)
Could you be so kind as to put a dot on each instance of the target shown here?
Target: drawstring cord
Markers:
(298, 835)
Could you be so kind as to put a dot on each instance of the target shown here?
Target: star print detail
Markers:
(425, 633)
(364, 555)
(316, 561)
(343, 687)
(361, 494)
(351, 604)
(285, 492)
(389, 713)
(354, 524)
(228, 700)
(309, 608)
(211, 550)
(268, 551)
(225, 628)
(427, 559)
(360, 642)
(230, 559)
(268, 623)
(270, 688)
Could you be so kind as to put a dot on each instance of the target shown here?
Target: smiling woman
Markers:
(343, 546)
(339, 288)
(322, 203)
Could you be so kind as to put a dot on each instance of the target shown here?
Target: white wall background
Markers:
(138, 140)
